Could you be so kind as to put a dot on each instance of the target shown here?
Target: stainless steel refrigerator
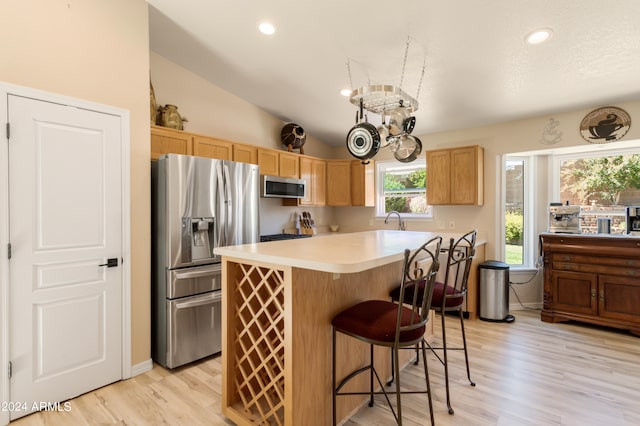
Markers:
(198, 204)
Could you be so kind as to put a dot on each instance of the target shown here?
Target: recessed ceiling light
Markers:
(538, 36)
(266, 28)
(345, 92)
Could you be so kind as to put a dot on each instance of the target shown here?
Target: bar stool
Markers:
(394, 325)
(448, 296)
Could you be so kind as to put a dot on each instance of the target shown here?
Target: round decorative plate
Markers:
(604, 125)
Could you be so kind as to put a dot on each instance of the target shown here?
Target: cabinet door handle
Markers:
(593, 293)
(602, 295)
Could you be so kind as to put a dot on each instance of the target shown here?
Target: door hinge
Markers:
(9, 251)
(8, 131)
(10, 369)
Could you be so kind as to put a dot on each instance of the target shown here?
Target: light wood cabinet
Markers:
(268, 162)
(362, 184)
(455, 176)
(594, 279)
(219, 149)
(339, 182)
(350, 183)
(314, 173)
(289, 165)
(245, 153)
(170, 141)
(278, 163)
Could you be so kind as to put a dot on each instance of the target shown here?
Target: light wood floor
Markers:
(527, 373)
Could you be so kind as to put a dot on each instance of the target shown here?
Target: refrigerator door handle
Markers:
(195, 274)
(207, 299)
(228, 202)
(221, 206)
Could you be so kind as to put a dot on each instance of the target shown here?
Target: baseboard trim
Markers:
(141, 368)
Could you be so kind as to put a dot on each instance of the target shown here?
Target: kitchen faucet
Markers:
(400, 221)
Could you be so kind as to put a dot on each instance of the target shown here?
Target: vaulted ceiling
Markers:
(478, 68)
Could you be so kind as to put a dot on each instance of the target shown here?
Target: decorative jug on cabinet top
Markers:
(171, 117)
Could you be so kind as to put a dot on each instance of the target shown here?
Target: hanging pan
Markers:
(409, 149)
(363, 140)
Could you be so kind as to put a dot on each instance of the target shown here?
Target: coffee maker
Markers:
(633, 220)
(564, 218)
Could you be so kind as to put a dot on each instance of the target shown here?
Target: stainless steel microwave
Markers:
(280, 187)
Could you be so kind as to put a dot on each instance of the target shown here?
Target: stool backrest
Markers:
(459, 259)
(420, 266)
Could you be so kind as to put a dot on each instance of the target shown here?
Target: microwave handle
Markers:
(207, 299)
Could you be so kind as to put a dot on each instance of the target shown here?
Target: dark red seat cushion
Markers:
(436, 299)
(376, 320)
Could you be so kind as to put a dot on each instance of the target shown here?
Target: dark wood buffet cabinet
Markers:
(592, 278)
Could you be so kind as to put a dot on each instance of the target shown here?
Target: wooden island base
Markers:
(278, 302)
(276, 355)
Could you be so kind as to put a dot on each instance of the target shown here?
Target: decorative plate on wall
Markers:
(604, 125)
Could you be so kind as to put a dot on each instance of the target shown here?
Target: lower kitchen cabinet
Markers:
(594, 279)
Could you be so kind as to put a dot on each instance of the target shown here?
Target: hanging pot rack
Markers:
(382, 99)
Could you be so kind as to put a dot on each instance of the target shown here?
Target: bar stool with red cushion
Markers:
(448, 296)
(390, 324)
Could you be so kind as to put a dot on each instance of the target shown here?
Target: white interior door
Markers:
(65, 222)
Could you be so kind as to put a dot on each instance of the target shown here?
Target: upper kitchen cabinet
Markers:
(455, 176)
(268, 162)
(339, 182)
(314, 172)
(289, 165)
(170, 141)
(278, 163)
(219, 149)
(245, 153)
(350, 183)
(362, 184)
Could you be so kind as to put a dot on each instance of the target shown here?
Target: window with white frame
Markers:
(602, 183)
(517, 208)
(402, 187)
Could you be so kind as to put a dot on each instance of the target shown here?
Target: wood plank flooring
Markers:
(527, 373)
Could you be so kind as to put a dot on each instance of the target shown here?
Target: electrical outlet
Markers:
(452, 225)
(440, 224)
(370, 222)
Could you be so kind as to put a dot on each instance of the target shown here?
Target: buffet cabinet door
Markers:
(619, 297)
(574, 292)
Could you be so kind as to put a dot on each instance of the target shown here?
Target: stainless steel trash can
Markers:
(494, 291)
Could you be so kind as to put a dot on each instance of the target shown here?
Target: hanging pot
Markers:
(383, 131)
(408, 124)
(397, 119)
(409, 148)
(363, 141)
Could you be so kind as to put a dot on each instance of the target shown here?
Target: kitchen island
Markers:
(278, 302)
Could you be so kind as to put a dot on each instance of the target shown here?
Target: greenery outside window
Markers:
(514, 211)
(602, 183)
(402, 187)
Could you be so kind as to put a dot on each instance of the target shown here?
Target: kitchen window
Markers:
(602, 183)
(518, 220)
(402, 187)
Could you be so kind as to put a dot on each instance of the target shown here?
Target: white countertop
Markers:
(337, 253)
